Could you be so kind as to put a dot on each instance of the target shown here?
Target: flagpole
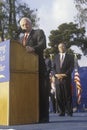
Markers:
(75, 68)
(75, 62)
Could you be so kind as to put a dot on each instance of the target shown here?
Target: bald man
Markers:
(63, 67)
(36, 42)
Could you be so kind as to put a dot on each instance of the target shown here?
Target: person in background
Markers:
(34, 41)
(63, 67)
(47, 63)
(53, 92)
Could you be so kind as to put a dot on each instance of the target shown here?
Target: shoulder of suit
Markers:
(56, 56)
(37, 33)
(69, 56)
(40, 31)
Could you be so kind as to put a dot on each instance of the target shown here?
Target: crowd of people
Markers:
(54, 75)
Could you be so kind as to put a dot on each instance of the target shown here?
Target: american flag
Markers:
(77, 81)
(78, 86)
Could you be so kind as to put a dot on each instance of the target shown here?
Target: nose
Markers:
(25, 25)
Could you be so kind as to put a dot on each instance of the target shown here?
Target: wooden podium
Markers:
(19, 102)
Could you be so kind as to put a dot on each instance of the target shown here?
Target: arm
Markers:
(41, 41)
(71, 65)
(39, 44)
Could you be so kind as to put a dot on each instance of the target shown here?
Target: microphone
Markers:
(18, 32)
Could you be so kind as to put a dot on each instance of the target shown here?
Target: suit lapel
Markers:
(58, 59)
(29, 37)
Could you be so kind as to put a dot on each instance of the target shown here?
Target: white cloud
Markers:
(83, 60)
(76, 49)
(54, 15)
(63, 10)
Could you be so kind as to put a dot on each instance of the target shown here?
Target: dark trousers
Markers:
(43, 99)
(64, 98)
(53, 99)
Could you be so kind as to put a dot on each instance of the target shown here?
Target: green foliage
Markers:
(81, 6)
(10, 13)
(70, 34)
(24, 11)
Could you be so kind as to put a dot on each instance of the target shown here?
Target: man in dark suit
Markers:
(63, 67)
(35, 42)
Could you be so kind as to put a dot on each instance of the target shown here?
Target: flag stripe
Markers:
(78, 86)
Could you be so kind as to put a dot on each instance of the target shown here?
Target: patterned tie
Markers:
(25, 39)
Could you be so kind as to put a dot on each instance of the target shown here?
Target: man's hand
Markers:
(63, 75)
(60, 76)
(29, 49)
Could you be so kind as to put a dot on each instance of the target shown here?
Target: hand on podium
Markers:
(29, 49)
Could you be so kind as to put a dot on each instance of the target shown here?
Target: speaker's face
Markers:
(26, 25)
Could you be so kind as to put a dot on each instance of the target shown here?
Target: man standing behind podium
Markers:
(35, 42)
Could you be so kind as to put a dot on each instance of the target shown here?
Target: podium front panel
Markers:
(20, 60)
(19, 101)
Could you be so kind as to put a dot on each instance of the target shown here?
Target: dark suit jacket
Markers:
(48, 65)
(67, 67)
(37, 40)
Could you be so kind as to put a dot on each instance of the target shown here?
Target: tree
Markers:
(81, 6)
(2, 15)
(70, 34)
(10, 13)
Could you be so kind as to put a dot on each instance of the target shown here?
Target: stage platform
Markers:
(77, 122)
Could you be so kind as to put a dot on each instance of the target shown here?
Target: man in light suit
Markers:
(35, 42)
(63, 69)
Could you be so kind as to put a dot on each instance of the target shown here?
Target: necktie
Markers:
(61, 60)
(25, 39)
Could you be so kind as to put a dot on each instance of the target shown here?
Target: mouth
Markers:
(24, 30)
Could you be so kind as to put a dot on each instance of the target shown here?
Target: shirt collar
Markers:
(62, 53)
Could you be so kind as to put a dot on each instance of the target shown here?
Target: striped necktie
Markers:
(25, 39)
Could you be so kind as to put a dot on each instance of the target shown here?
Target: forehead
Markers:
(61, 45)
(24, 21)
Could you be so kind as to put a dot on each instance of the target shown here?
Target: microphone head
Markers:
(20, 30)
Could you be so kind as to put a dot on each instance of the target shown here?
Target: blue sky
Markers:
(53, 13)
